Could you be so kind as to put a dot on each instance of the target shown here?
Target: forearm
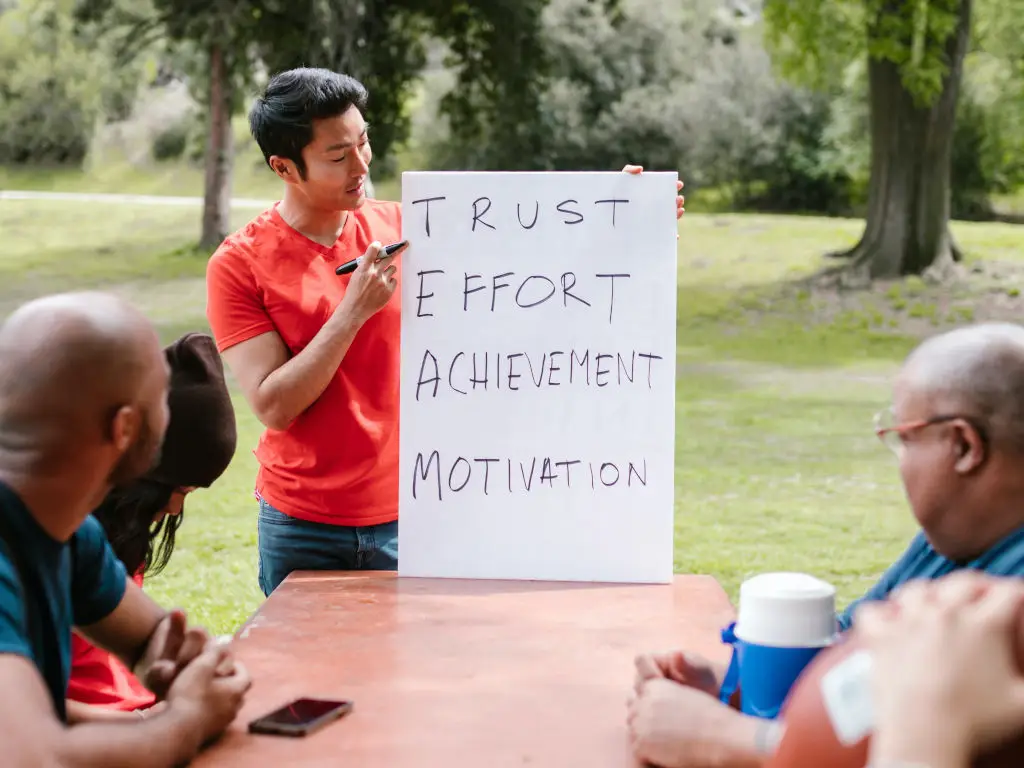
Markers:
(126, 632)
(751, 742)
(293, 387)
(167, 739)
(80, 713)
(735, 740)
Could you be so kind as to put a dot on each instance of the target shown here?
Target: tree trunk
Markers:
(907, 228)
(219, 154)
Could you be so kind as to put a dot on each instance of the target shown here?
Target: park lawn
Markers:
(251, 178)
(776, 463)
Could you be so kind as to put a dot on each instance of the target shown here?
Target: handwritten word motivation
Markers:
(434, 475)
(470, 372)
(568, 212)
(522, 291)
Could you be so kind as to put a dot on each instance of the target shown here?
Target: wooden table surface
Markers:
(460, 673)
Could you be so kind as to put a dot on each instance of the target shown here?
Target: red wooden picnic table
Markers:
(460, 672)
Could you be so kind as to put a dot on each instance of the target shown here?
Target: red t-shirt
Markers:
(337, 463)
(101, 679)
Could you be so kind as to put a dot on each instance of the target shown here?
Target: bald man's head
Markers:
(978, 371)
(82, 372)
(958, 408)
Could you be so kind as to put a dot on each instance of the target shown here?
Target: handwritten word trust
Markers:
(568, 210)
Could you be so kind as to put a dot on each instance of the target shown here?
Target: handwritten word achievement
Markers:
(538, 376)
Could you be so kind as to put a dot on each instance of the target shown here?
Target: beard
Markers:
(141, 457)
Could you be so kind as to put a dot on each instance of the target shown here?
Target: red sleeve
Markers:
(234, 302)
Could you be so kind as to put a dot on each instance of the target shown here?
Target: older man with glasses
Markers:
(956, 426)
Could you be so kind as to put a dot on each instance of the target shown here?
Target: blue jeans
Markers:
(287, 544)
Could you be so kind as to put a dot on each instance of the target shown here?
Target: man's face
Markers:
(337, 163)
(144, 451)
(942, 457)
(924, 456)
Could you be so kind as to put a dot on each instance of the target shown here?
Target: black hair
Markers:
(282, 118)
(127, 515)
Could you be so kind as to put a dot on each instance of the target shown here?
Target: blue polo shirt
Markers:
(78, 582)
(920, 561)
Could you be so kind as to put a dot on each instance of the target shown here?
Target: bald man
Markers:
(83, 405)
(956, 426)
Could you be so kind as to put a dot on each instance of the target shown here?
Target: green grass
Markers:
(251, 179)
(110, 172)
(777, 466)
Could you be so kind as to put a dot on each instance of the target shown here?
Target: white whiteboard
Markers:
(554, 459)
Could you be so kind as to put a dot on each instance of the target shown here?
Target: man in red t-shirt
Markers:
(317, 354)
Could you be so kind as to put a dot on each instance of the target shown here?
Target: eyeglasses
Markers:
(892, 434)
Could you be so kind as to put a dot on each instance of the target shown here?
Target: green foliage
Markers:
(798, 173)
(171, 143)
(56, 85)
(611, 92)
(379, 42)
(988, 147)
(621, 86)
(814, 40)
(998, 73)
(501, 62)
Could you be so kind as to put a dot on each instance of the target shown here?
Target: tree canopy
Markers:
(813, 41)
(493, 46)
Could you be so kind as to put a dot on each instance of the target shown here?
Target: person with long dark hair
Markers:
(141, 519)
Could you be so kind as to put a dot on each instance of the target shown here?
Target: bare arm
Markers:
(127, 630)
(32, 736)
(280, 387)
(743, 741)
(79, 712)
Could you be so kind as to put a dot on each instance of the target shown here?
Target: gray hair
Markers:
(980, 370)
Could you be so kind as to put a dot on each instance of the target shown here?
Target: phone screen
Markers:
(302, 712)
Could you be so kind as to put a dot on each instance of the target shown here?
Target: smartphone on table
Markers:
(300, 717)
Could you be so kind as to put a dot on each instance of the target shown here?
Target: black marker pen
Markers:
(350, 266)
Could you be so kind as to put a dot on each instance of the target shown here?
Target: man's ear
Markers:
(285, 169)
(124, 427)
(971, 450)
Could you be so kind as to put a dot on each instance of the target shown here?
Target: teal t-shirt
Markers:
(67, 584)
(920, 561)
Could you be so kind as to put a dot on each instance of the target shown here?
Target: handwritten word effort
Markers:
(524, 292)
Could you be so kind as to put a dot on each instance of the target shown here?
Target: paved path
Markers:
(104, 197)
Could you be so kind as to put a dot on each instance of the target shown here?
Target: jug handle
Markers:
(731, 682)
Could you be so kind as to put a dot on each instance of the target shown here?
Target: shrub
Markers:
(668, 85)
(170, 143)
(54, 85)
